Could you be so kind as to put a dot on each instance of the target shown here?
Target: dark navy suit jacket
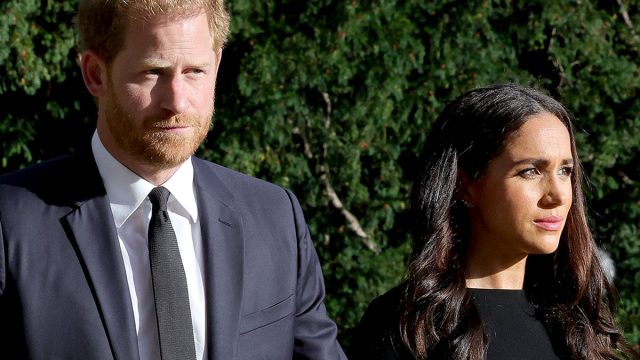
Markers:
(63, 288)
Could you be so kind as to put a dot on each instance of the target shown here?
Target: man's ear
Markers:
(94, 72)
(218, 56)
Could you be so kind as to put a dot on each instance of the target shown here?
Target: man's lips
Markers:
(551, 223)
(172, 127)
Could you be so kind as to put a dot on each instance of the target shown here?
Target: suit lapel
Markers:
(91, 226)
(223, 249)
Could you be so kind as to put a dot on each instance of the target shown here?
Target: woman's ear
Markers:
(465, 191)
(94, 72)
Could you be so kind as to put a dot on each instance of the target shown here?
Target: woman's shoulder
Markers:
(387, 304)
(377, 336)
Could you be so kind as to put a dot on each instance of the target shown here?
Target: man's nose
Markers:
(175, 97)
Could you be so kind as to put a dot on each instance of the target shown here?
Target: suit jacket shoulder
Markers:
(63, 288)
(63, 181)
(63, 291)
(232, 186)
(282, 302)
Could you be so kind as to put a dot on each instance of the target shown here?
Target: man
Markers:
(134, 248)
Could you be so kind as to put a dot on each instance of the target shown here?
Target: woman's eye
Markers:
(566, 171)
(529, 173)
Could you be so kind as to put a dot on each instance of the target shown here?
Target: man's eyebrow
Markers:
(158, 63)
(154, 63)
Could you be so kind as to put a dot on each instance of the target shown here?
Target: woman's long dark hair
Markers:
(568, 288)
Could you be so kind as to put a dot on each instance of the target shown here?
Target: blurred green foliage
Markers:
(333, 99)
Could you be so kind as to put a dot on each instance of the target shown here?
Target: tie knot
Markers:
(159, 197)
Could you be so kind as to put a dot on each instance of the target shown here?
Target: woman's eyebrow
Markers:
(541, 162)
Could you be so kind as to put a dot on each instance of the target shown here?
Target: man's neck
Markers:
(156, 174)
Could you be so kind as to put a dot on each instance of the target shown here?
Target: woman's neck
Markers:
(486, 269)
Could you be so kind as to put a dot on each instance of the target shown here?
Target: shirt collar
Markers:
(127, 191)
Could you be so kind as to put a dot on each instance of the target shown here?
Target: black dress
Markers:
(508, 319)
(510, 323)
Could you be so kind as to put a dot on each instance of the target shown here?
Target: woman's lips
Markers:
(550, 223)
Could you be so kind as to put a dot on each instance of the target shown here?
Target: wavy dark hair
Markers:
(568, 288)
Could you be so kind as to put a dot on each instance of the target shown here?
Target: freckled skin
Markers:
(528, 183)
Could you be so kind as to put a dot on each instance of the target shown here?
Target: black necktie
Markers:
(170, 291)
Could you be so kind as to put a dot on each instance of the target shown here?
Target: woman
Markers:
(503, 263)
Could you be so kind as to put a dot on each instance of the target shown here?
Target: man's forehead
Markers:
(164, 39)
(157, 11)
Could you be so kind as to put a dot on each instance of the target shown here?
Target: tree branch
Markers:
(334, 199)
(353, 222)
(305, 142)
(625, 15)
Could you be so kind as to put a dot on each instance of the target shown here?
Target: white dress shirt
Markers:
(127, 193)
